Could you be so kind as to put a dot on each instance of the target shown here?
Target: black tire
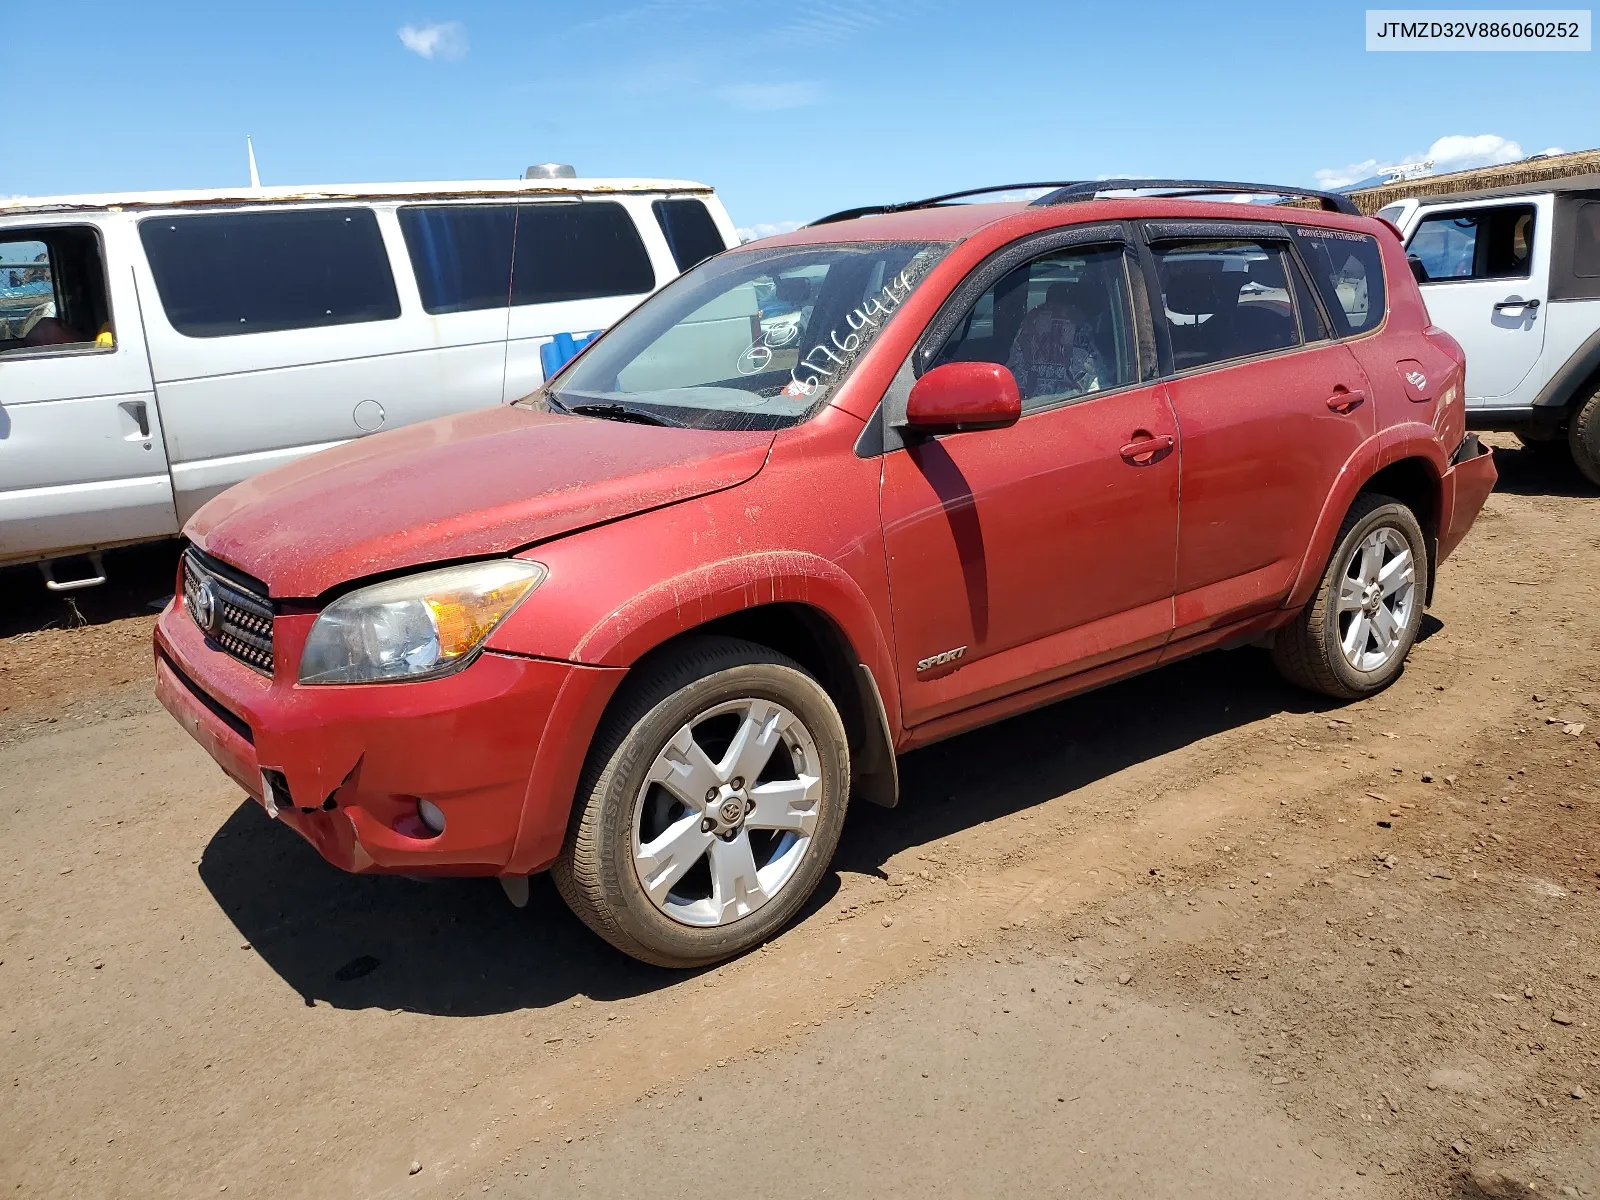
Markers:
(1307, 651)
(595, 872)
(1583, 437)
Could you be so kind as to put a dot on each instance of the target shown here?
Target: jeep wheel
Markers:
(1353, 638)
(710, 805)
(1583, 437)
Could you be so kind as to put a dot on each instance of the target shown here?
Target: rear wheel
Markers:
(1353, 638)
(710, 806)
(1583, 437)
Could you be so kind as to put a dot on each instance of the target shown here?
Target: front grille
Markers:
(231, 609)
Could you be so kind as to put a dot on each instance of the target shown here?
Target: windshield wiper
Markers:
(615, 412)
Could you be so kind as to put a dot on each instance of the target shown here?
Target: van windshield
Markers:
(750, 339)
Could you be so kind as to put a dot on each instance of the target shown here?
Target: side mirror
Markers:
(962, 396)
(1418, 271)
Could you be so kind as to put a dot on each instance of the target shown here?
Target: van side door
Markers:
(82, 459)
(1487, 267)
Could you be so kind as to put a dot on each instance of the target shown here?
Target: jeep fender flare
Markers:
(1383, 449)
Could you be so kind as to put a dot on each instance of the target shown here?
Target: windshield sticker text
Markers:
(824, 359)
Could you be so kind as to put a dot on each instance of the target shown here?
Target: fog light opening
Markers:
(431, 817)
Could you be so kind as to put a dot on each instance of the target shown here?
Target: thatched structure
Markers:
(1529, 170)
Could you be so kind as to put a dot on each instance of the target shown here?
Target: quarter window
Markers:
(1347, 270)
(461, 254)
(1225, 300)
(53, 291)
(578, 251)
(1586, 240)
(1483, 243)
(690, 232)
(1061, 323)
(256, 272)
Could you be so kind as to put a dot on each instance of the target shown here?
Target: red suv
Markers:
(828, 497)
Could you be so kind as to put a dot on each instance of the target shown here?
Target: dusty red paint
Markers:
(1074, 547)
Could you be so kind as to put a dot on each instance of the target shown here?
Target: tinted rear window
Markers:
(461, 254)
(578, 252)
(1347, 271)
(255, 272)
(1586, 242)
(691, 233)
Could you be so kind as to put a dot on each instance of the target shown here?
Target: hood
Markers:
(484, 482)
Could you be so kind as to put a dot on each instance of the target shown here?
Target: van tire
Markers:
(598, 872)
(1583, 437)
(1308, 651)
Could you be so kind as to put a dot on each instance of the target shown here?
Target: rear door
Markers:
(82, 460)
(1268, 405)
(1488, 266)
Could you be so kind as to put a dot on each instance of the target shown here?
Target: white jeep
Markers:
(1513, 273)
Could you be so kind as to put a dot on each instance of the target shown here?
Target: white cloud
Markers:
(440, 39)
(770, 97)
(1455, 152)
(749, 233)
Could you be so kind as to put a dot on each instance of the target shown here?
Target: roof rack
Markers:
(1071, 193)
(872, 210)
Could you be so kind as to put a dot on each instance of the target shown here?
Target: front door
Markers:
(1020, 555)
(1488, 272)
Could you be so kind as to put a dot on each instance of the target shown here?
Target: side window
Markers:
(1586, 240)
(1481, 243)
(53, 291)
(461, 254)
(256, 272)
(1225, 299)
(690, 232)
(1347, 270)
(1062, 323)
(579, 251)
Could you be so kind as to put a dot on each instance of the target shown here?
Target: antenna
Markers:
(249, 149)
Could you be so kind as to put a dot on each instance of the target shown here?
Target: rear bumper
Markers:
(496, 746)
(1467, 485)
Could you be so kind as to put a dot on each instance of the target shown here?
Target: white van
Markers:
(158, 348)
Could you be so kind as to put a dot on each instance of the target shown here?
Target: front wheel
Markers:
(1353, 638)
(710, 806)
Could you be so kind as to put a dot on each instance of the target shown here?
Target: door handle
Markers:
(1145, 449)
(140, 412)
(1344, 400)
(1529, 305)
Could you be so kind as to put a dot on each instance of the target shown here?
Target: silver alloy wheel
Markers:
(747, 815)
(1376, 591)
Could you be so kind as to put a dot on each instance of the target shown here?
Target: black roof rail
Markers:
(1087, 190)
(872, 210)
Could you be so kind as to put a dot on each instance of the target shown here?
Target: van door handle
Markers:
(1344, 400)
(140, 412)
(1144, 449)
(1529, 305)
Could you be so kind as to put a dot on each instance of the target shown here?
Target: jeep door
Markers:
(1017, 556)
(1488, 271)
(1270, 408)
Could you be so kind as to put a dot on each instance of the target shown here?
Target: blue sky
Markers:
(790, 110)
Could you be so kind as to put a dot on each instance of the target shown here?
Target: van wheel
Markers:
(1583, 438)
(710, 805)
(1353, 638)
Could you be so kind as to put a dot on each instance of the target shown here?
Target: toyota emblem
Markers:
(205, 606)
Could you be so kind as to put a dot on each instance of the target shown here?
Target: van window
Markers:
(461, 254)
(690, 232)
(581, 251)
(1482, 243)
(53, 291)
(255, 272)
(1225, 299)
(1347, 269)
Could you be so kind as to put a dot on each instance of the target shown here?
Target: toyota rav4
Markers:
(655, 625)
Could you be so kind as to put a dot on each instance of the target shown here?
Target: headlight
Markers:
(417, 627)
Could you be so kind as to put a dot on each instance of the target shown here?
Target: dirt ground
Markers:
(1194, 935)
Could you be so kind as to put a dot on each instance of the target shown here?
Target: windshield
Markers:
(750, 339)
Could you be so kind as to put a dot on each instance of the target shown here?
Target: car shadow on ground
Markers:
(1546, 471)
(455, 947)
(138, 581)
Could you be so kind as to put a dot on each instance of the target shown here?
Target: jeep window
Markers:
(756, 338)
(582, 251)
(1225, 300)
(461, 254)
(1347, 271)
(1482, 243)
(690, 232)
(53, 292)
(1061, 323)
(1586, 240)
(228, 273)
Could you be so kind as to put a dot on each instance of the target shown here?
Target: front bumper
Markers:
(496, 746)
